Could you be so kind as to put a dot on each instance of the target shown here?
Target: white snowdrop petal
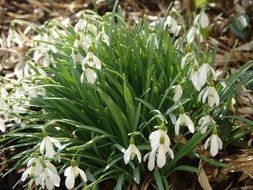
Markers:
(42, 146)
(2, 125)
(97, 62)
(190, 35)
(146, 156)
(178, 93)
(52, 168)
(151, 161)
(138, 154)
(49, 184)
(205, 95)
(211, 101)
(161, 158)
(55, 142)
(49, 148)
(203, 20)
(91, 76)
(70, 182)
(220, 144)
(25, 174)
(214, 146)
(201, 94)
(127, 156)
(171, 153)
(177, 126)
(67, 171)
(30, 161)
(83, 175)
(207, 143)
(213, 73)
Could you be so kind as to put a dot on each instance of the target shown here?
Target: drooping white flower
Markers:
(81, 24)
(198, 79)
(90, 76)
(92, 60)
(201, 20)
(47, 145)
(2, 125)
(210, 94)
(191, 34)
(215, 144)
(204, 121)
(49, 177)
(14, 38)
(206, 69)
(178, 92)
(103, 37)
(184, 120)
(34, 169)
(84, 25)
(189, 57)
(160, 145)
(83, 42)
(71, 173)
(172, 25)
(32, 92)
(76, 57)
(131, 152)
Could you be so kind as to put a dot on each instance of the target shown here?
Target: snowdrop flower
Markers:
(196, 77)
(2, 125)
(191, 34)
(76, 57)
(201, 20)
(215, 144)
(14, 38)
(90, 75)
(178, 92)
(160, 144)
(34, 169)
(71, 173)
(49, 177)
(32, 93)
(210, 94)
(131, 152)
(183, 119)
(204, 70)
(47, 145)
(173, 25)
(92, 60)
(189, 57)
(83, 42)
(103, 36)
(19, 92)
(83, 24)
(204, 121)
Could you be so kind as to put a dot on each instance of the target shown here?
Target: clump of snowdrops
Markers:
(106, 100)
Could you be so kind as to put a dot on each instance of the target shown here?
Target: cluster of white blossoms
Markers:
(202, 77)
(160, 147)
(87, 35)
(43, 173)
(14, 98)
(200, 22)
